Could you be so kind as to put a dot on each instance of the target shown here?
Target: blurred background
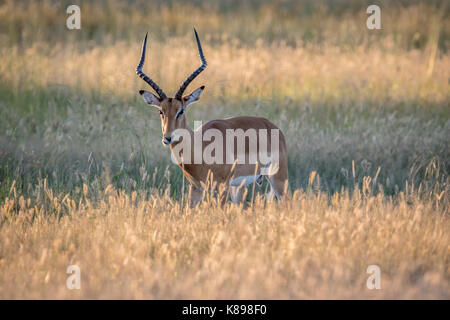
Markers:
(352, 102)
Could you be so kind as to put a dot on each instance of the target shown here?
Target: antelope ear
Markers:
(193, 97)
(150, 98)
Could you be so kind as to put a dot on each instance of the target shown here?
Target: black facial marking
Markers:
(180, 113)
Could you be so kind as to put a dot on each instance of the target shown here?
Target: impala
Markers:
(234, 166)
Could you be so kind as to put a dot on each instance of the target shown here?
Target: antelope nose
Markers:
(167, 140)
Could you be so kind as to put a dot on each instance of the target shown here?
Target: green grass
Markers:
(75, 144)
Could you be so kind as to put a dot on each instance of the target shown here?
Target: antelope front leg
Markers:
(195, 195)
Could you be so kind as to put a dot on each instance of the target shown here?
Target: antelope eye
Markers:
(161, 113)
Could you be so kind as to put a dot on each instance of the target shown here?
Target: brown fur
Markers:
(222, 173)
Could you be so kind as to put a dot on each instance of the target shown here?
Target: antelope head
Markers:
(172, 110)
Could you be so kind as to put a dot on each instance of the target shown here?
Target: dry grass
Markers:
(313, 73)
(311, 246)
(84, 179)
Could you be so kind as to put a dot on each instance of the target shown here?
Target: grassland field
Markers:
(85, 180)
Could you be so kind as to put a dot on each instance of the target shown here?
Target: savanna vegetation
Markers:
(85, 180)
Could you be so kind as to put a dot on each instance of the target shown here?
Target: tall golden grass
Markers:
(311, 246)
(316, 73)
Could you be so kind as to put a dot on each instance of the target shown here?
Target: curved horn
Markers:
(144, 77)
(194, 74)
